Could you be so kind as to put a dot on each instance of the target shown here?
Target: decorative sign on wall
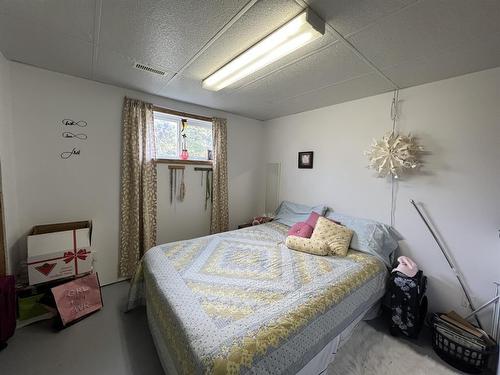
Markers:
(68, 154)
(73, 135)
(306, 159)
(69, 122)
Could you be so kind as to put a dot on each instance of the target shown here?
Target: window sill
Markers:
(186, 162)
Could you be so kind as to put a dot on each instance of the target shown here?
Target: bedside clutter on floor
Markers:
(57, 251)
(454, 339)
(77, 298)
(66, 301)
(461, 344)
(62, 285)
(35, 303)
(257, 221)
(262, 219)
(406, 288)
(31, 307)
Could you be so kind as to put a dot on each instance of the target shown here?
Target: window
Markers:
(169, 138)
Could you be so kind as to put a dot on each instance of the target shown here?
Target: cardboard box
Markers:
(57, 251)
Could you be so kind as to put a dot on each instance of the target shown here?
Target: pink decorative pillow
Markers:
(313, 219)
(301, 229)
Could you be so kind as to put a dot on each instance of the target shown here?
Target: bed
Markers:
(241, 302)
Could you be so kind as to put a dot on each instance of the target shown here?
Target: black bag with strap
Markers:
(408, 303)
(7, 309)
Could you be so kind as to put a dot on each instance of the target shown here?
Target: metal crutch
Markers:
(450, 262)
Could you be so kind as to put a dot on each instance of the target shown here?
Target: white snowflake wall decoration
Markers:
(394, 154)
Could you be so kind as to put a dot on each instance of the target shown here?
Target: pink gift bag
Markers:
(78, 298)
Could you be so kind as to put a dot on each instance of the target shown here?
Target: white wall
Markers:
(246, 186)
(458, 121)
(7, 164)
(50, 189)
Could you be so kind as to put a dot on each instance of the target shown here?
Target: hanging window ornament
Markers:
(184, 151)
(395, 153)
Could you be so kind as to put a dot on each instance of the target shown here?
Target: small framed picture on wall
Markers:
(306, 159)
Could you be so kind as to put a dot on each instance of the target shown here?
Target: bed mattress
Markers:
(241, 302)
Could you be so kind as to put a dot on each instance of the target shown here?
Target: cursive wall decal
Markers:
(81, 136)
(69, 122)
(65, 155)
(68, 154)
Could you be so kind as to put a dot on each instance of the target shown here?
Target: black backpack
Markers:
(408, 303)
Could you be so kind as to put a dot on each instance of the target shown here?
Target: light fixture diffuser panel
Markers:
(296, 33)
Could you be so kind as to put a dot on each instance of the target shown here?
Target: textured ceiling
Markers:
(370, 46)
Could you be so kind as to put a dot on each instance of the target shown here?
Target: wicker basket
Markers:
(459, 356)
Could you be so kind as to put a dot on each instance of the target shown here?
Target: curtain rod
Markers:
(181, 114)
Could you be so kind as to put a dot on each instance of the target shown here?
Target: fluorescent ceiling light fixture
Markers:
(296, 33)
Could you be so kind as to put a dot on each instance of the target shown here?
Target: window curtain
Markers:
(219, 220)
(138, 185)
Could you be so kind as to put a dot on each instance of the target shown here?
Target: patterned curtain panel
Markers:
(219, 220)
(138, 185)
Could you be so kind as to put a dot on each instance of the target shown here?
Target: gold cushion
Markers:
(336, 236)
(307, 245)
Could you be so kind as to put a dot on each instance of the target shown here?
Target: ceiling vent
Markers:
(149, 69)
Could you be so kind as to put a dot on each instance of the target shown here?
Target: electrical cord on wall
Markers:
(394, 194)
(394, 181)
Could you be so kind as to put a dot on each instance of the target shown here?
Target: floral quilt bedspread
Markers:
(241, 302)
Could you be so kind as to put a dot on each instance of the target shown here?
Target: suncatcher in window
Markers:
(175, 134)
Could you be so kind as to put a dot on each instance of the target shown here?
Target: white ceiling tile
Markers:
(259, 21)
(73, 18)
(189, 90)
(348, 16)
(45, 49)
(329, 66)
(163, 33)
(119, 70)
(427, 28)
(449, 63)
(370, 84)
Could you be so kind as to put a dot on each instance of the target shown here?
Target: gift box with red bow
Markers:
(56, 251)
